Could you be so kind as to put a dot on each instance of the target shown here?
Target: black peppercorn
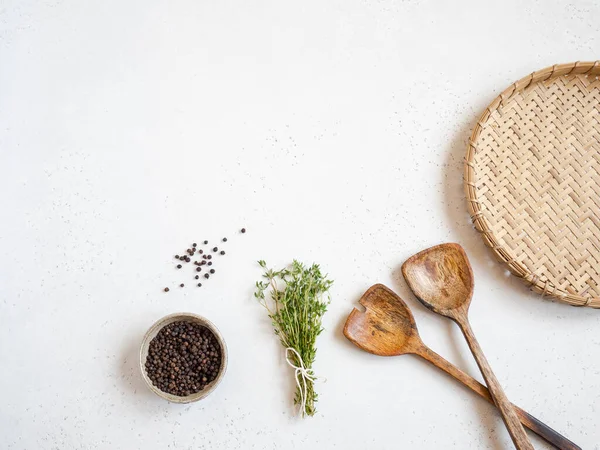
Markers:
(199, 284)
(183, 358)
(166, 289)
(181, 285)
(194, 250)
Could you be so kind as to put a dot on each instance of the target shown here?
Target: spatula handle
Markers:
(513, 425)
(535, 425)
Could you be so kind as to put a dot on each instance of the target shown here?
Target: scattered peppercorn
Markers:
(197, 276)
(166, 289)
(183, 358)
(199, 284)
(181, 285)
(206, 275)
(205, 260)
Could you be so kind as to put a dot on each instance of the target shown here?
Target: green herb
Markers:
(296, 307)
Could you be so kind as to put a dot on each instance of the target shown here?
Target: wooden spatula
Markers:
(387, 328)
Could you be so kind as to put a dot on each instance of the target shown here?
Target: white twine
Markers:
(300, 371)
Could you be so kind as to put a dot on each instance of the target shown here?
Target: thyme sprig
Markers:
(298, 299)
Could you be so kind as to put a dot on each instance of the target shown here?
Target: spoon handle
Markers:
(535, 425)
(515, 429)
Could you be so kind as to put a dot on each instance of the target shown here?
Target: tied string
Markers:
(300, 371)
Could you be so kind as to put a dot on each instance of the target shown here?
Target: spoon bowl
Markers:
(441, 278)
(386, 327)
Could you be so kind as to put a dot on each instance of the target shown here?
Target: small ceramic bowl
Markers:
(153, 331)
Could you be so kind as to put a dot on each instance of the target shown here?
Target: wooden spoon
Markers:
(442, 279)
(387, 328)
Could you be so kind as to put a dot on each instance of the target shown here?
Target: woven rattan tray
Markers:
(532, 179)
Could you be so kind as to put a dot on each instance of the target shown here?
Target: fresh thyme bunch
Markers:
(296, 307)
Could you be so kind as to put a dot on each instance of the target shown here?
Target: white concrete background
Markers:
(335, 132)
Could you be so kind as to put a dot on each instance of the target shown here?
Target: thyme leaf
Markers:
(297, 300)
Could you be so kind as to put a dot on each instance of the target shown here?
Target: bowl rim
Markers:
(153, 331)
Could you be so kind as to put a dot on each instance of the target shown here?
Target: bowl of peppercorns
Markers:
(183, 357)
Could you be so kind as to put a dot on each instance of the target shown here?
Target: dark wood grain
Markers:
(387, 328)
(442, 279)
(535, 425)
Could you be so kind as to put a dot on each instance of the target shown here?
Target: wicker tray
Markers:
(532, 179)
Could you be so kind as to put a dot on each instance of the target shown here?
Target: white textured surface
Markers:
(334, 131)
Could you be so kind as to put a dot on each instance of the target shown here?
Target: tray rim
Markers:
(479, 221)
